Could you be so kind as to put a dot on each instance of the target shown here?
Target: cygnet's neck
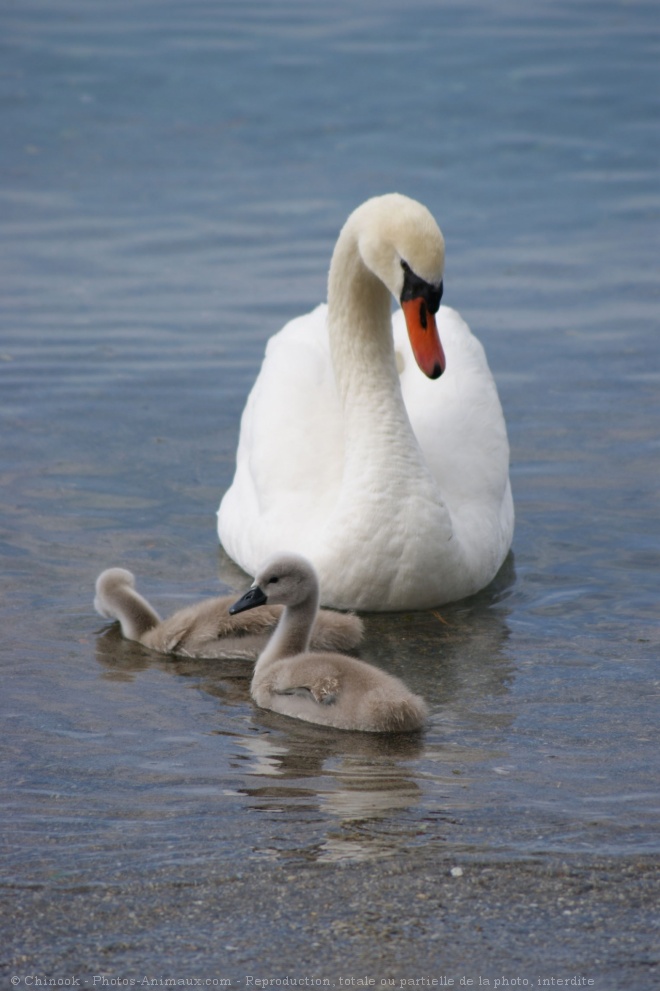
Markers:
(292, 633)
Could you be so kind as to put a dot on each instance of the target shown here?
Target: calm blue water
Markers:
(173, 178)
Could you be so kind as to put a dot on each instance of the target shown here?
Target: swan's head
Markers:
(287, 579)
(400, 242)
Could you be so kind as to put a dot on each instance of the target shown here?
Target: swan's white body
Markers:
(394, 485)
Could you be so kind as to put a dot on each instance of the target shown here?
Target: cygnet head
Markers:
(287, 579)
(109, 584)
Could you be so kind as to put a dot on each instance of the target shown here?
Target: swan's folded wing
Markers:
(290, 452)
(457, 419)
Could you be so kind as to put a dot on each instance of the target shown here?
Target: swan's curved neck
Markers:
(358, 323)
(292, 633)
(377, 427)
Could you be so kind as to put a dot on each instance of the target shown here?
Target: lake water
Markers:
(174, 176)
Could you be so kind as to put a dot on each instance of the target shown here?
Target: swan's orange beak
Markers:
(424, 337)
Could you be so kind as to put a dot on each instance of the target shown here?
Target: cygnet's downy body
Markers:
(330, 689)
(206, 629)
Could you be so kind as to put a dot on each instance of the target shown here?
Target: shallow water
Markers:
(173, 180)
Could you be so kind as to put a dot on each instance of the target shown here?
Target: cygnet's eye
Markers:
(273, 580)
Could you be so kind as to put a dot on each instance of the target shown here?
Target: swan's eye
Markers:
(273, 581)
(416, 288)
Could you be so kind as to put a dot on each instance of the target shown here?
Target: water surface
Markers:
(173, 179)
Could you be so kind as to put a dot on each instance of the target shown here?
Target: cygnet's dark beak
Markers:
(253, 597)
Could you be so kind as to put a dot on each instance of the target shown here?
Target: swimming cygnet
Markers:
(206, 629)
(325, 688)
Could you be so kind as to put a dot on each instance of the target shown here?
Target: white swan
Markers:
(394, 483)
(207, 629)
(327, 689)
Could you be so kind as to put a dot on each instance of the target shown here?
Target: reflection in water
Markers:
(349, 780)
(122, 659)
